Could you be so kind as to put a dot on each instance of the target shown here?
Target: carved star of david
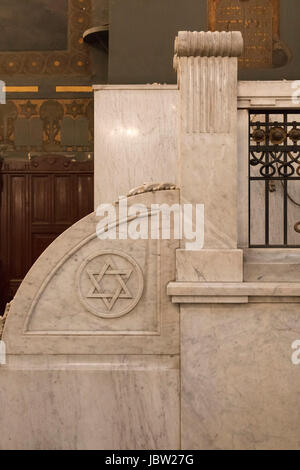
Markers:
(121, 292)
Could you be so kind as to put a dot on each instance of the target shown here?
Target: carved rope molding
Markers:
(209, 44)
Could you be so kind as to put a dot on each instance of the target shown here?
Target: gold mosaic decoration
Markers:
(74, 61)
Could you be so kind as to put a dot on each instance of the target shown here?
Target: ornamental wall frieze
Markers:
(47, 125)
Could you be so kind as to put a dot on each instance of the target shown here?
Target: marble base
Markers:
(89, 402)
(270, 265)
(209, 265)
(240, 389)
(92, 342)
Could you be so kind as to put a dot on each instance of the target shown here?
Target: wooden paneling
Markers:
(40, 241)
(18, 222)
(64, 210)
(39, 200)
(3, 215)
(85, 184)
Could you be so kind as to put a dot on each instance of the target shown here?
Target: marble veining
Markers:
(240, 389)
(133, 406)
(135, 140)
(207, 131)
(48, 315)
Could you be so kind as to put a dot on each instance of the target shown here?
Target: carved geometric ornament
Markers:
(110, 284)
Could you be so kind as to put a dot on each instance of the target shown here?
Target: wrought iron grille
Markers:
(274, 179)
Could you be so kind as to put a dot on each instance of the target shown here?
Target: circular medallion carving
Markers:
(110, 283)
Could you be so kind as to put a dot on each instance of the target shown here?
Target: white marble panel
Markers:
(240, 389)
(271, 265)
(89, 402)
(135, 138)
(59, 307)
(209, 265)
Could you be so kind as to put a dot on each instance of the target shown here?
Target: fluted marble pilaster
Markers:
(208, 102)
(206, 64)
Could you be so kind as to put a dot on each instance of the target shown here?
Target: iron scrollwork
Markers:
(275, 149)
(274, 167)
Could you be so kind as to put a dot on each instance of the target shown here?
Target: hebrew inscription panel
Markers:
(259, 22)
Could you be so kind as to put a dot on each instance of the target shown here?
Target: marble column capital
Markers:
(208, 44)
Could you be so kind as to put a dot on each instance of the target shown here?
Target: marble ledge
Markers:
(258, 94)
(247, 90)
(270, 265)
(148, 86)
(231, 292)
(274, 88)
(83, 362)
(271, 256)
